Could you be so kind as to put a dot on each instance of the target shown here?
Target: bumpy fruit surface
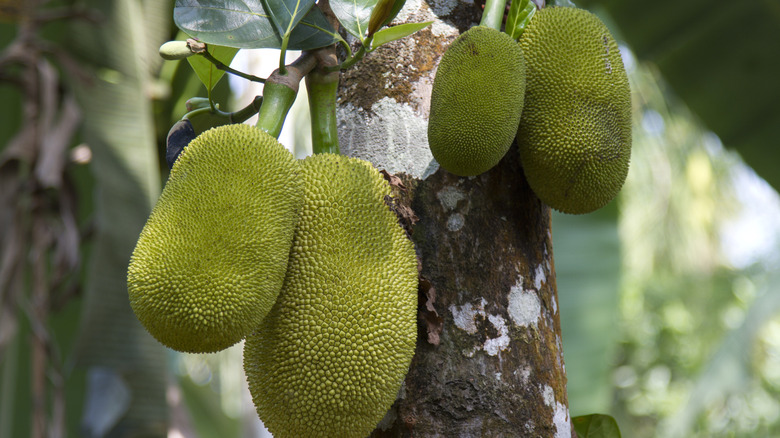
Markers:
(476, 101)
(575, 134)
(212, 256)
(329, 359)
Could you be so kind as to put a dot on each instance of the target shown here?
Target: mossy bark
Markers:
(488, 360)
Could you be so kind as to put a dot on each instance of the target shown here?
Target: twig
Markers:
(200, 48)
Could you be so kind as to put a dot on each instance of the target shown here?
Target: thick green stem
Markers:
(322, 88)
(493, 14)
(277, 101)
(279, 94)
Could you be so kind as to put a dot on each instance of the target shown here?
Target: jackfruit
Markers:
(476, 101)
(211, 259)
(329, 359)
(190, 126)
(575, 134)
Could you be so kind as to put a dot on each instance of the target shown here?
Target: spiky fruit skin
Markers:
(329, 359)
(212, 256)
(575, 134)
(476, 101)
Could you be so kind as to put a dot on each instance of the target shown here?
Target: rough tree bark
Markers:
(489, 360)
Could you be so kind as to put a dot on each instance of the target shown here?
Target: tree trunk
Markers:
(489, 360)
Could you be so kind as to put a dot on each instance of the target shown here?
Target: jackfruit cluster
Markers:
(329, 359)
(211, 259)
(476, 101)
(575, 134)
(304, 259)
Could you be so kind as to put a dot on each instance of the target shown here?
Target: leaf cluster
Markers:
(290, 24)
(219, 28)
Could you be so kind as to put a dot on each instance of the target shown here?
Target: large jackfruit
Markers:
(476, 101)
(329, 359)
(211, 259)
(575, 134)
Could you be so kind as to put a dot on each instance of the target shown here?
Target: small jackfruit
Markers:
(329, 359)
(575, 134)
(212, 256)
(476, 101)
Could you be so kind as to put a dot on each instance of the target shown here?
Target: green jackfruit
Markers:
(476, 101)
(575, 134)
(329, 359)
(211, 259)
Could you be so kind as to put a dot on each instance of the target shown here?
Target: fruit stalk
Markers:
(279, 94)
(493, 14)
(322, 87)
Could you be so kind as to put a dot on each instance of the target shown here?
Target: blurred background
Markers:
(669, 297)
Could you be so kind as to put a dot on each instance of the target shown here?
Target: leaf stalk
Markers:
(493, 15)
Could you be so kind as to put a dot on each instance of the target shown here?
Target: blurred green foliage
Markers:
(587, 269)
(719, 57)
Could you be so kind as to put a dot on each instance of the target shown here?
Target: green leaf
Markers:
(396, 33)
(587, 271)
(715, 59)
(520, 13)
(596, 426)
(312, 32)
(354, 15)
(285, 14)
(207, 72)
(247, 25)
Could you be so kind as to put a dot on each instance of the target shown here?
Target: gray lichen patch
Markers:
(560, 414)
(471, 319)
(449, 197)
(391, 136)
(495, 345)
(465, 316)
(456, 222)
(524, 307)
